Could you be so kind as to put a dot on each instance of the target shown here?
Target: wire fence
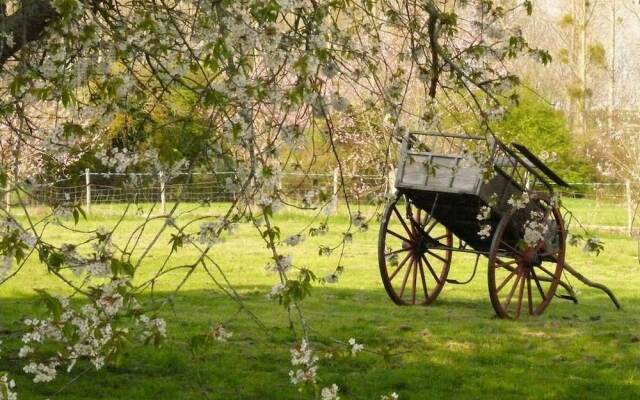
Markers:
(93, 188)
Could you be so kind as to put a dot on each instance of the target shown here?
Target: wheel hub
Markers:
(531, 258)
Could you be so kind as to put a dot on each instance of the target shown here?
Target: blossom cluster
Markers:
(330, 393)
(305, 361)
(14, 241)
(220, 334)
(519, 202)
(535, 229)
(484, 215)
(282, 264)
(93, 331)
(7, 386)
(355, 346)
(334, 276)
(260, 77)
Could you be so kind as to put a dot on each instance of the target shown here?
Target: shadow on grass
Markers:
(455, 349)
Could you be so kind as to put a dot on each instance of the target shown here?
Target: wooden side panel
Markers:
(498, 191)
(439, 173)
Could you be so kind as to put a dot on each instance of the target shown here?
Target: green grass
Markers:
(593, 212)
(453, 349)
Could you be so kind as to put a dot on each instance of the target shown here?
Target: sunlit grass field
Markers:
(454, 349)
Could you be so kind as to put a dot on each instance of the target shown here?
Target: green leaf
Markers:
(66, 96)
(76, 216)
(119, 267)
(53, 305)
(77, 212)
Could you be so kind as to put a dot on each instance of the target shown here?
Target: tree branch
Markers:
(24, 26)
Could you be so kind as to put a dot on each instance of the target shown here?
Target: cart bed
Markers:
(444, 175)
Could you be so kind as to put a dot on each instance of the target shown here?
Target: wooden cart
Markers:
(464, 194)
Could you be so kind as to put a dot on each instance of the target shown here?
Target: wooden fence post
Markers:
(162, 193)
(391, 182)
(87, 182)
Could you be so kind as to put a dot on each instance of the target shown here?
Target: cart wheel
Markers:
(522, 271)
(412, 247)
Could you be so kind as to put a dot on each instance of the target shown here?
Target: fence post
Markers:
(162, 193)
(629, 201)
(87, 182)
(391, 182)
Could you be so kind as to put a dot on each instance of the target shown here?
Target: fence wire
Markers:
(110, 188)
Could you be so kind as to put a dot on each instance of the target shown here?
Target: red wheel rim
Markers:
(523, 278)
(414, 254)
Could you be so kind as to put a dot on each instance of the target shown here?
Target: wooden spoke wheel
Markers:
(524, 273)
(414, 253)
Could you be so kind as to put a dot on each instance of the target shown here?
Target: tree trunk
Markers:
(24, 26)
(582, 67)
(612, 76)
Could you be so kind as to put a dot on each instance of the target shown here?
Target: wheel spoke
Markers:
(513, 290)
(547, 271)
(415, 280)
(398, 235)
(444, 260)
(430, 228)
(505, 265)
(404, 224)
(520, 295)
(530, 297)
(440, 237)
(404, 261)
(419, 218)
(406, 277)
(550, 254)
(535, 278)
(502, 285)
(424, 281)
(433, 272)
(510, 247)
(398, 251)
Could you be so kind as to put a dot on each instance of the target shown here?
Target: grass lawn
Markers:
(454, 349)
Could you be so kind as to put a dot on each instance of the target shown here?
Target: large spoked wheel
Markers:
(524, 274)
(414, 253)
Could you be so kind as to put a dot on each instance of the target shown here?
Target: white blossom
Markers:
(7, 386)
(355, 346)
(282, 264)
(42, 372)
(25, 351)
(276, 291)
(294, 240)
(330, 393)
(209, 233)
(519, 202)
(302, 357)
(535, 230)
(220, 334)
(485, 231)
(484, 214)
